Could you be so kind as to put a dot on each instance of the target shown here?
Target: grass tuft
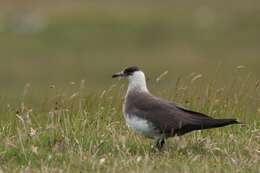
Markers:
(73, 132)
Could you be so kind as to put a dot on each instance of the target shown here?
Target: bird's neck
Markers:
(137, 82)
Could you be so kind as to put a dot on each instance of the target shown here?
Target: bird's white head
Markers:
(135, 77)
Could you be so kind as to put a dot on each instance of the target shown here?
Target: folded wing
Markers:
(170, 118)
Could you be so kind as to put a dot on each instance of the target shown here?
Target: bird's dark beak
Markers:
(119, 74)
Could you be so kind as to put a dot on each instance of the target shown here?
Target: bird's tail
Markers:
(213, 123)
(199, 121)
(206, 123)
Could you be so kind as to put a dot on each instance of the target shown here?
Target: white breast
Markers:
(140, 125)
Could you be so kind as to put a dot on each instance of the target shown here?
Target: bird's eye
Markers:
(128, 73)
(130, 70)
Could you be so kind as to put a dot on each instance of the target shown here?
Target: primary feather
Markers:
(167, 117)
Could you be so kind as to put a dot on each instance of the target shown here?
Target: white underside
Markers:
(141, 126)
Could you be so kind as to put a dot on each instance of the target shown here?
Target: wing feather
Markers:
(166, 116)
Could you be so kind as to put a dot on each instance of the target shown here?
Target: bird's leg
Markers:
(159, 143)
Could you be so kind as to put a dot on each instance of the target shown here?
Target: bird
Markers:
(158, 118)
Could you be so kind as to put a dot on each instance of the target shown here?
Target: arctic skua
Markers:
(158, 118)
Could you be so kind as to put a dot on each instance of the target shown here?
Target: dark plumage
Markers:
(169, 118)
(159, 118)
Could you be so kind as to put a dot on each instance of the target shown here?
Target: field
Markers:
(61, 110)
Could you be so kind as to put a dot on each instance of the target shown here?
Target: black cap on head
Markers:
(127, 72)
(130, 70)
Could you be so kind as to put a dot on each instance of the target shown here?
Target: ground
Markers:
(60, 110)
(88, 134)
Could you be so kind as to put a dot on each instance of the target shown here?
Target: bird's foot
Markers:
(160, 143)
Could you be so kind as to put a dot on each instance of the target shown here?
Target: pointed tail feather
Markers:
(213, 123)
(206, 124)
(200, 121)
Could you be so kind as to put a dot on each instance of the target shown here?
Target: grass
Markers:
(72, 132)
(55, 125)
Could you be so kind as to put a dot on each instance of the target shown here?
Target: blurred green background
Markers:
(57, 42)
